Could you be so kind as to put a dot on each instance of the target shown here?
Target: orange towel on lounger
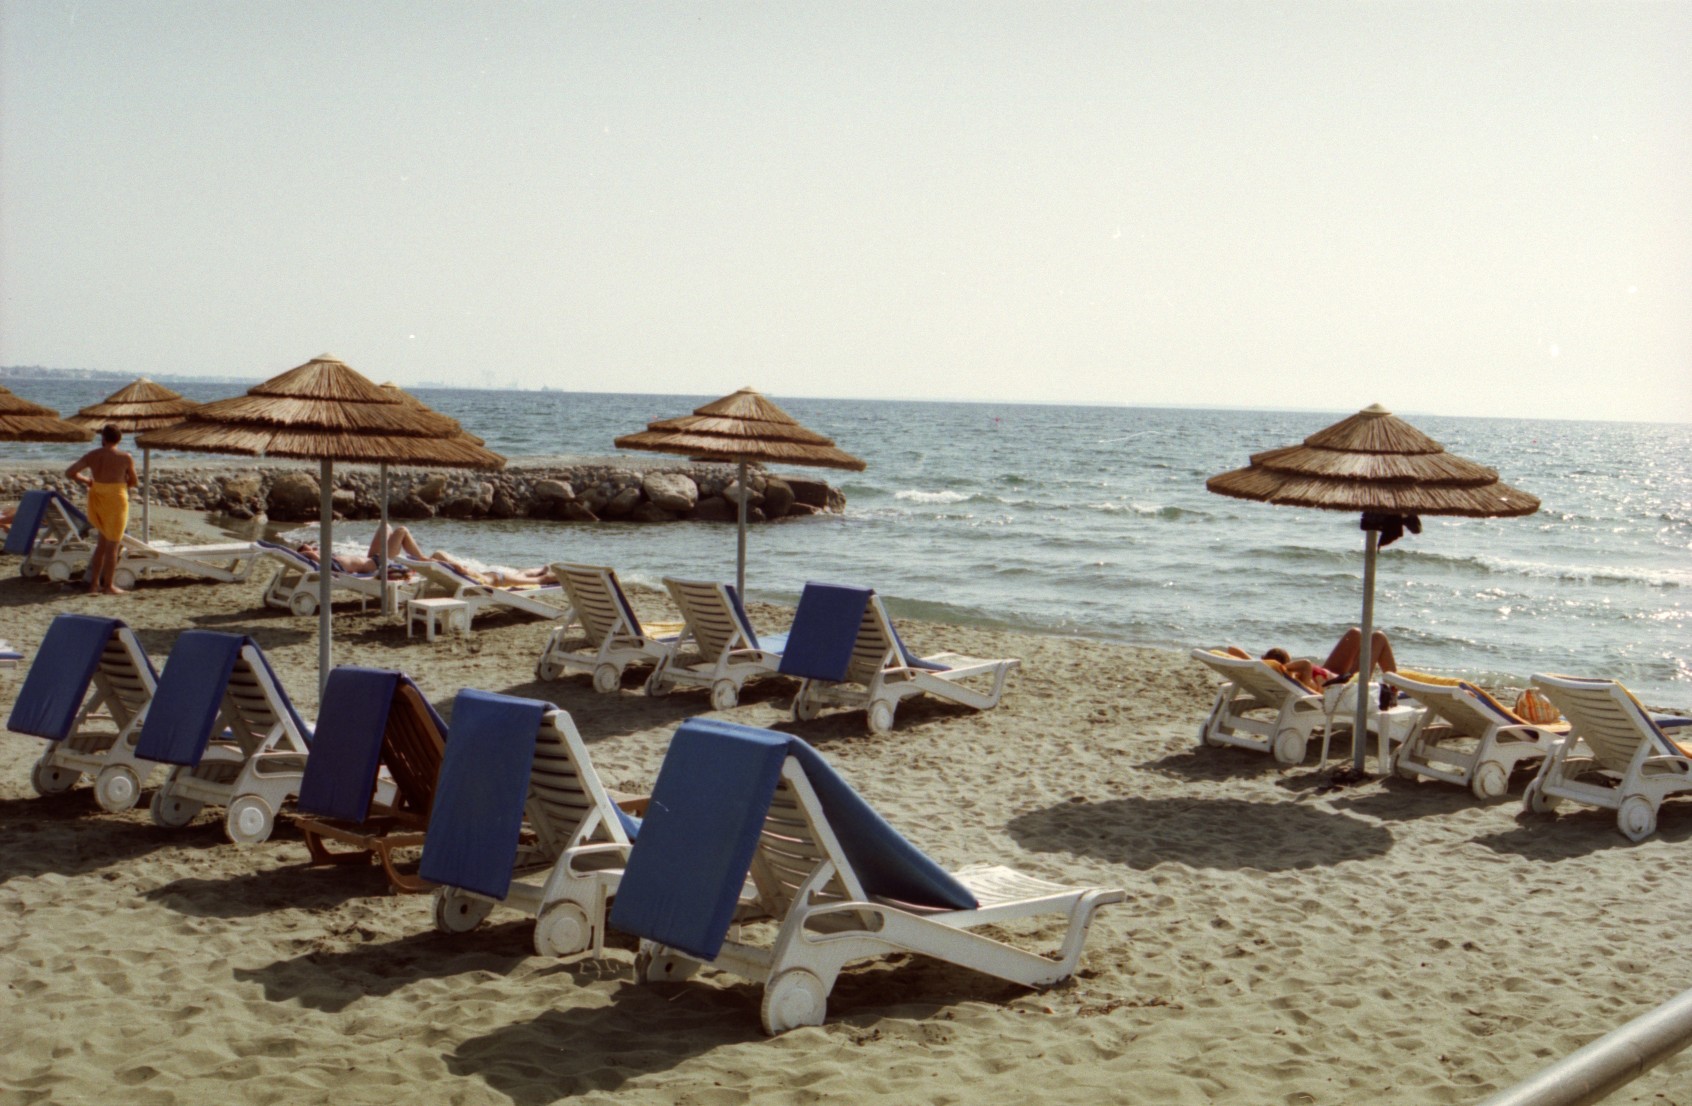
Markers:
(108, 509)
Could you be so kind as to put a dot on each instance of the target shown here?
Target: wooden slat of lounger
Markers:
(1606, 726)
(412, 748)
(707, 614)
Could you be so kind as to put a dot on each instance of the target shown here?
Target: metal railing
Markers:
(1592, 1072)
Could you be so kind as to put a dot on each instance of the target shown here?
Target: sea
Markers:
(1094, 522)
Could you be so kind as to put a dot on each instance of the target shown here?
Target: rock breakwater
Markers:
(583, 491)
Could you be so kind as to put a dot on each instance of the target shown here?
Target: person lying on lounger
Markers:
(497, 576)
(400, 542)
(1341, 664)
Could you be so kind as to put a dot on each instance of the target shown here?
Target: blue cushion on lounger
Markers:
(685, 873)
(824, 632)
(347, 747)
(478, 813)
(701, 828)
(185, 706)
(740, 617)
(57, 682)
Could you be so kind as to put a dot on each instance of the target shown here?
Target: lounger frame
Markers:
(1466, 740)
(823, 919)
(443, 581)
(223, 562)
(295, 585)
(1261, 709)
(102, 741)
(611, 638)
(251, 768)
(571, 864)
(1614, 756)
(879, 676)
(717, 648)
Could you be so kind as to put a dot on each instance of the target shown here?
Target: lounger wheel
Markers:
(303, 603)
(662, 966)
(456, 912)
(58, 571)
(548, 669)
(1535, 799)
(1637, 818)
(794, 998)
(29, 570)
(658, 686)
(50, 779)
(117, 788)
(562, 929)
(123, 578)
(607, 678)
(1290, 745)
(249, 820)
(880, 716)
(171, 812)
(805, 708)
(724, 695)
(1490, 780)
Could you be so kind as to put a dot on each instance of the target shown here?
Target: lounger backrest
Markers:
(1459, 706)
(126, 678)
(567, 804)
(72, 652)
(713, 615)
(412, 748)
(732, 800)
(885, 633)
(257, 707)
(598, 601)
(1605, 715)
(340, 775)
(1264, 683)
(43, 510)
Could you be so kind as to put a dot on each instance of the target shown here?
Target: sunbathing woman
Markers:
(1341, 664)
(497, 576)
(400, 542)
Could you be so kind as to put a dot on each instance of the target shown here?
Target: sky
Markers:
(1451, 208)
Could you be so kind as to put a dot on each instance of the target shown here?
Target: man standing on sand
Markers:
(111, 475)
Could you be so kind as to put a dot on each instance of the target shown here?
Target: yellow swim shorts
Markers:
(108, 509)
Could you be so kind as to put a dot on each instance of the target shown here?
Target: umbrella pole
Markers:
(740, 557)
(1360, 731)
(382, 553)
(146, 491)
(325, 561)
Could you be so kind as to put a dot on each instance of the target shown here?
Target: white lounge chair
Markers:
(718, 648)
(844, 650)
(507, 758)
(222, 718)
(222, 562)
(1616, 756)
(92, 732)
(46, 525)
(295, 586)
(1260, 707)
(611, 637)
(1468, 738)
(836, 883)
(442, 581)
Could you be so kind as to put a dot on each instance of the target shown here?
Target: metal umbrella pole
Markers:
(382, 553)
(1365, 662)
(325, 561)
(740, 558)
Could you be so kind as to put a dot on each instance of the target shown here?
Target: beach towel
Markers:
(108, 509)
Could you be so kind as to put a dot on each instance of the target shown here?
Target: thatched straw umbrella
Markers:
(741, 427)
(140, 406)
(23, 421)
(324, 411)
(1381, 466)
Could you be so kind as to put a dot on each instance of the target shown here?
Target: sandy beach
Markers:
(1281, 942)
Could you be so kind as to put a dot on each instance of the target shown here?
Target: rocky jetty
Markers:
(583, 491)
